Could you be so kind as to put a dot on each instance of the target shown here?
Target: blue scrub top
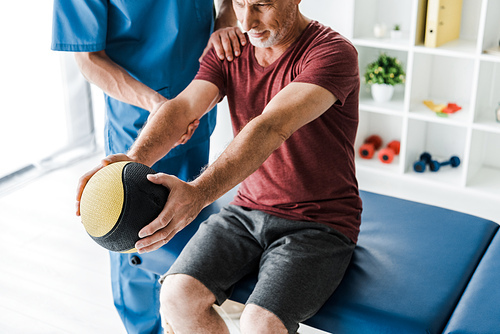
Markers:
(157, 41)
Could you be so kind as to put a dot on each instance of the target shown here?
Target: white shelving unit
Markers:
(457, 72)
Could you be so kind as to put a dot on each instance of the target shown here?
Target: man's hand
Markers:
(183, 205)
(226, 42)
(86, 177)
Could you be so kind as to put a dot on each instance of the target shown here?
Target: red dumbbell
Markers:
(370, 145)
(387, 154)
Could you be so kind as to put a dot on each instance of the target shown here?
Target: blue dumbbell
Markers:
(419, 166)
(454, 162)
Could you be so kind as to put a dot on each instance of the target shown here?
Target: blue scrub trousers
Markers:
(136, 289)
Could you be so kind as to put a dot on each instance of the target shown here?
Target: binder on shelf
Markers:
(421, 18)
(442, 22)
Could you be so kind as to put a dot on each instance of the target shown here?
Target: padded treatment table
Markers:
(479, 309)
(409, 270)
(411, 265)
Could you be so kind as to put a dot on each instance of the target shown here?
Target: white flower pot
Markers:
(396, 34)
(382, 92)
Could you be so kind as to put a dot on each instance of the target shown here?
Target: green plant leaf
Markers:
(385, 70)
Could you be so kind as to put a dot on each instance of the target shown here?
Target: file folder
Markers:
(442, 22)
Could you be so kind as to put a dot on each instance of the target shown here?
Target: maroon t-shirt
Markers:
(311, 176)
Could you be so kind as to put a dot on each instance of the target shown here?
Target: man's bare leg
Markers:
(186, 305)
(256, 319)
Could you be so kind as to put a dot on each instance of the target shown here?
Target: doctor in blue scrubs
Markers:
(141, 53)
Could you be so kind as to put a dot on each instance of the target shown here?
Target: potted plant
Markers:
(382, 75)
(396, 32)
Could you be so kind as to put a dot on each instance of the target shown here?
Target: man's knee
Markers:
(183, 294)
(256, 319)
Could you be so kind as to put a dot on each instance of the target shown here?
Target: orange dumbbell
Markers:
(370, 145)
(387, 154)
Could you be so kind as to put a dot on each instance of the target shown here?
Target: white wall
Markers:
(334, 13)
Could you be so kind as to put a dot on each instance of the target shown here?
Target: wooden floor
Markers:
(53, 277)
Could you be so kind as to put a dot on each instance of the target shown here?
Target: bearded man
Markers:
(293, 96)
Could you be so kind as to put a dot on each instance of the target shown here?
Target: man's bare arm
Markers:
(160, 133)
(170, 121)
(295, 106)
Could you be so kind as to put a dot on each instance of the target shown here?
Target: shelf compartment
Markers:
(436, 78)
(484, 165)
(466, 44)
(389, 128)
(393, 107)
(491, 26)
(442, 141)
(368, 55)
(421, 112)
(488, 96)
(368, 13)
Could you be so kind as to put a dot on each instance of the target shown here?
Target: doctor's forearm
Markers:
(115, 81)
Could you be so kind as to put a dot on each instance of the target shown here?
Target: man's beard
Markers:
(275, 36)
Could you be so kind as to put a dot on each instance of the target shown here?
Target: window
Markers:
(45, 105)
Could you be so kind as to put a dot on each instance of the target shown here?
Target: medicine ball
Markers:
(117, 202)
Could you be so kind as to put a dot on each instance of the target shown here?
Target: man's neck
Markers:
(267, 56)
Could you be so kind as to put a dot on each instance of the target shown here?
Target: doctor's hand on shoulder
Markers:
(227, 43)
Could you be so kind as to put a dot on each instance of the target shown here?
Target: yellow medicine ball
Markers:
(117, 202)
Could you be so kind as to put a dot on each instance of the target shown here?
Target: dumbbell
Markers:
(387, 154)
(419, 166)
(370, 145)
(454, 161)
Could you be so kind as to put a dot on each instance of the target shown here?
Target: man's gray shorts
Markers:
(299, 263)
